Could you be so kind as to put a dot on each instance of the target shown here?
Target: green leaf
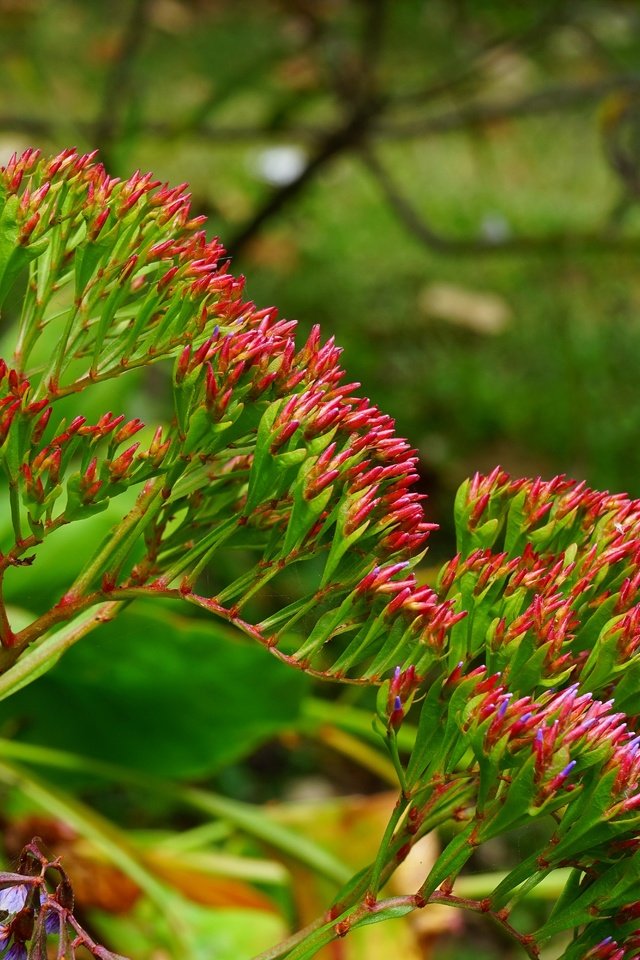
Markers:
(87, 258)
(460, 514)
(605, 895)
(485, 535)
(304, 513)
(516, 804)
(569, 894)
(161, 696)
(9, 232)
(516, 531)
(393, 911)
(582, 824)
(428, 735)
(265, 471)
(451, 860)
(590, 628)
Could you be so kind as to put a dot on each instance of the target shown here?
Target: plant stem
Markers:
(42, 657)
(383, 849)
(280, 949)
(14, 502)
(526, 941)
(129, 526)
(7, 635)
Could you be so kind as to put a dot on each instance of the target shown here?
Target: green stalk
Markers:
(380, 862)
(121, 538)
(282, 948)
(353, 720)
(14, 503)
(42, 657)
(481, 885)
(352, 747)
(246, 817)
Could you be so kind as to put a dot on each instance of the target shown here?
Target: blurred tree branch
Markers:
(368, 115)
(550, 243)
(362, 105)
(550, 100)
(119, 81)
(556, 99)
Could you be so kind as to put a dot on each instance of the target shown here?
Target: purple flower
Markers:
(52, 921)
(17, 951)
(13, 898)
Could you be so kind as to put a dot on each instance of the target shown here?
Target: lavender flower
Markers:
(13, 898)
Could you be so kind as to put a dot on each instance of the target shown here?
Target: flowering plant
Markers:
(521, 663)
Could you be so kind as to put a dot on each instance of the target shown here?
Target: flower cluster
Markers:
(264, 431)
(559, 595)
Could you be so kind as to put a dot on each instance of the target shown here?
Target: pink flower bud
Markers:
(120, 466)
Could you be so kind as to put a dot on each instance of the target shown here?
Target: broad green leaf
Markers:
(155, 693)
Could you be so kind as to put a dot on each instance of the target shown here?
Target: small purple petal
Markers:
(13, 898)
(52, 922)
(17, 951)
(397, 704)
(569, 767)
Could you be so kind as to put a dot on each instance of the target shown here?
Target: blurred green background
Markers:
(450, 187)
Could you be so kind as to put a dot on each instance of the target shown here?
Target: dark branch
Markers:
(372, 44)
(344, 137)
(551, 243)
(552, 100)
(118, 81)
(466, 71)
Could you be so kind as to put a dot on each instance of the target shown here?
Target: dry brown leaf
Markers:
(208, 890)
(95, 883)
(479, 311)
